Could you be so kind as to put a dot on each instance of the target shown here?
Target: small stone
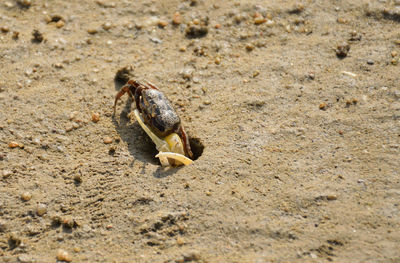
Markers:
(180, 241)
(77, 249)
(342, 20)
(186, 73)
(6, 173)
(323, 106)
(63, 255)
(107, 26)
(41, 209)
(249, 47)
(258, 20)
(69, 127)
(342, 50)
(77, 178)
(4, 29)
(162, 23)
(370, 62)
(256, 73)
(60, 24)
(58, 65)
(95, 117)
(25, 3)
(217, 60)
(48, 19)
(9, 4)
(92, 31)
(176, 18)
(331, 197)
(182, 49)
(270, 23)
(207, 102)
(13, 144)
(208, 193)
(107, 140)
(26, 196)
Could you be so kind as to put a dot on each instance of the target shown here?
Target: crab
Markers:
(160, 121)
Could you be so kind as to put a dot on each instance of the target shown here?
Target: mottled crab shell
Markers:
(158, 112)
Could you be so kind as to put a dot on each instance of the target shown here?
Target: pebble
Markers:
(258, 20)
(77, 178)
(13, 144)
(331, 197)
(323, 106)
(92, 31)
(5, 29)
(270, 23)
(249, 47)
(95, 117)
(63, 255)
(187, 73)
(41, 209)
(370, 62)
(25, 3)
(26, 196)
(342, 50)
(9, 4)
(107, 26)
(60, 24)
(176, 18)
(180, 241)
(6, 173)
(162, 23)
(107, 140)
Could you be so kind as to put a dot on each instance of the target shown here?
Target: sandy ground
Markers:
(296, 104)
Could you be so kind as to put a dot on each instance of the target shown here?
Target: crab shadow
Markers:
(139, 144)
